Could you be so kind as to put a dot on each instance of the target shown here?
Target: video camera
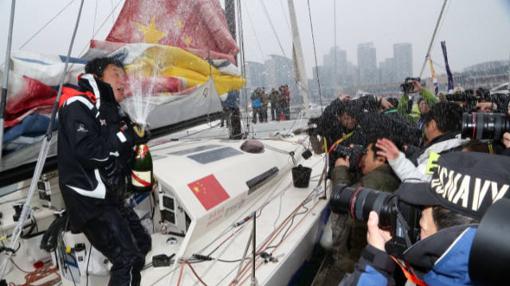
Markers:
(400, 218)
(354, 152)
(408, 86)
(485, 126)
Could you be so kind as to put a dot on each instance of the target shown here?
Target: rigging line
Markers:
(100, 27)
(111, 5)
(195, 273)
(94, 26)
(272, 27)
(252, 26)
(273, 236)
(45, 25)
(285, 16)
(315, 54)
(242, 58)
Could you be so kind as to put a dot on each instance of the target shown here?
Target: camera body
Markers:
(400, 218)
(408, 87)
(354, 152)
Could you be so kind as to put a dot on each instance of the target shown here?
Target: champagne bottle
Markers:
(142, 179)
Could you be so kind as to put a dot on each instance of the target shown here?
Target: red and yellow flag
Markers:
(208, 191)
(198, 24)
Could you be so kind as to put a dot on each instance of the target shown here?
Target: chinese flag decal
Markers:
(208, 191)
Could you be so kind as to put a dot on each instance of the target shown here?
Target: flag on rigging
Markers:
(448, 71)
(433, 76)
(198, 25)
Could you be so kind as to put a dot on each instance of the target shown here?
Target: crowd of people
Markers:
(277, 99)
(419, 156)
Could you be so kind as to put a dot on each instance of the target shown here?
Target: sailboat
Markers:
(223, 212)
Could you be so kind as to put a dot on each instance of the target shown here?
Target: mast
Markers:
(242, 62)
(427, 55)
(299, 61)
(230, 12)
(5, 81)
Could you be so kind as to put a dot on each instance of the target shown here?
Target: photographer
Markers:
(426, 96)
(349, 237)
(442, 127)
(452, 203)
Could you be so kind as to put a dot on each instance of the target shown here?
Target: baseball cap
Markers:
(465, 182)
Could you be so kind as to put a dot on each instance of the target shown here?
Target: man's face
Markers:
(370, 161)
(116, 77)
(347, 121)
(423, 107)
(427, 225)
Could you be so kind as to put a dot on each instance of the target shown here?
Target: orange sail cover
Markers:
(198, 26)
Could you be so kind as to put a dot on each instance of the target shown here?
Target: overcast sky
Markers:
(475, 30)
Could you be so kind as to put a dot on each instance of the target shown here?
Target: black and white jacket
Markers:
(93, 152)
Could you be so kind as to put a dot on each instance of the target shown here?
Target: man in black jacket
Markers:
(95, 143)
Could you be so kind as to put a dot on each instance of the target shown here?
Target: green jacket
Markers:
(426, 94)
(381, 179)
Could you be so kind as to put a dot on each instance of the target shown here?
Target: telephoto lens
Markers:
(485, 126)
(358, 202)
(401, 219)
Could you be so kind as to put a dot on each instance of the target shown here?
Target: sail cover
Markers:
(195, 25)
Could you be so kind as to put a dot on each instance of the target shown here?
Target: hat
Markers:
(464, 182)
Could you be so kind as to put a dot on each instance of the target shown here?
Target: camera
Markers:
(485, 126)
(400, 218)
(407, 86)
(354, 152)
(470, 97)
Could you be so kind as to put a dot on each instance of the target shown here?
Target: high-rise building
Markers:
(279, 70)
(403, 55)
(387, 71)
(367, 64)
(255, 75)
(339, 77)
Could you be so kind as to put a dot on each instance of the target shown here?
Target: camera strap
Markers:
(339, 141)
(408, 272)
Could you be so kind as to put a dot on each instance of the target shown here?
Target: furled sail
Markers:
(172, 49)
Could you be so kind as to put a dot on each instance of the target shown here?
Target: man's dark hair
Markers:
(447, 115)
(476, 146)
(393, 101)
(98, 65)
(444, 218)
(352, 108)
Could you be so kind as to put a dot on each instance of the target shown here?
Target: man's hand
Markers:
(388, 149)
(506, 139)
(342, 162)
(417, 86)
(376, 236)
(385, 104)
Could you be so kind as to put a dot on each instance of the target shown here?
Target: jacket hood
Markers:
(442, 259)
(441, 144)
